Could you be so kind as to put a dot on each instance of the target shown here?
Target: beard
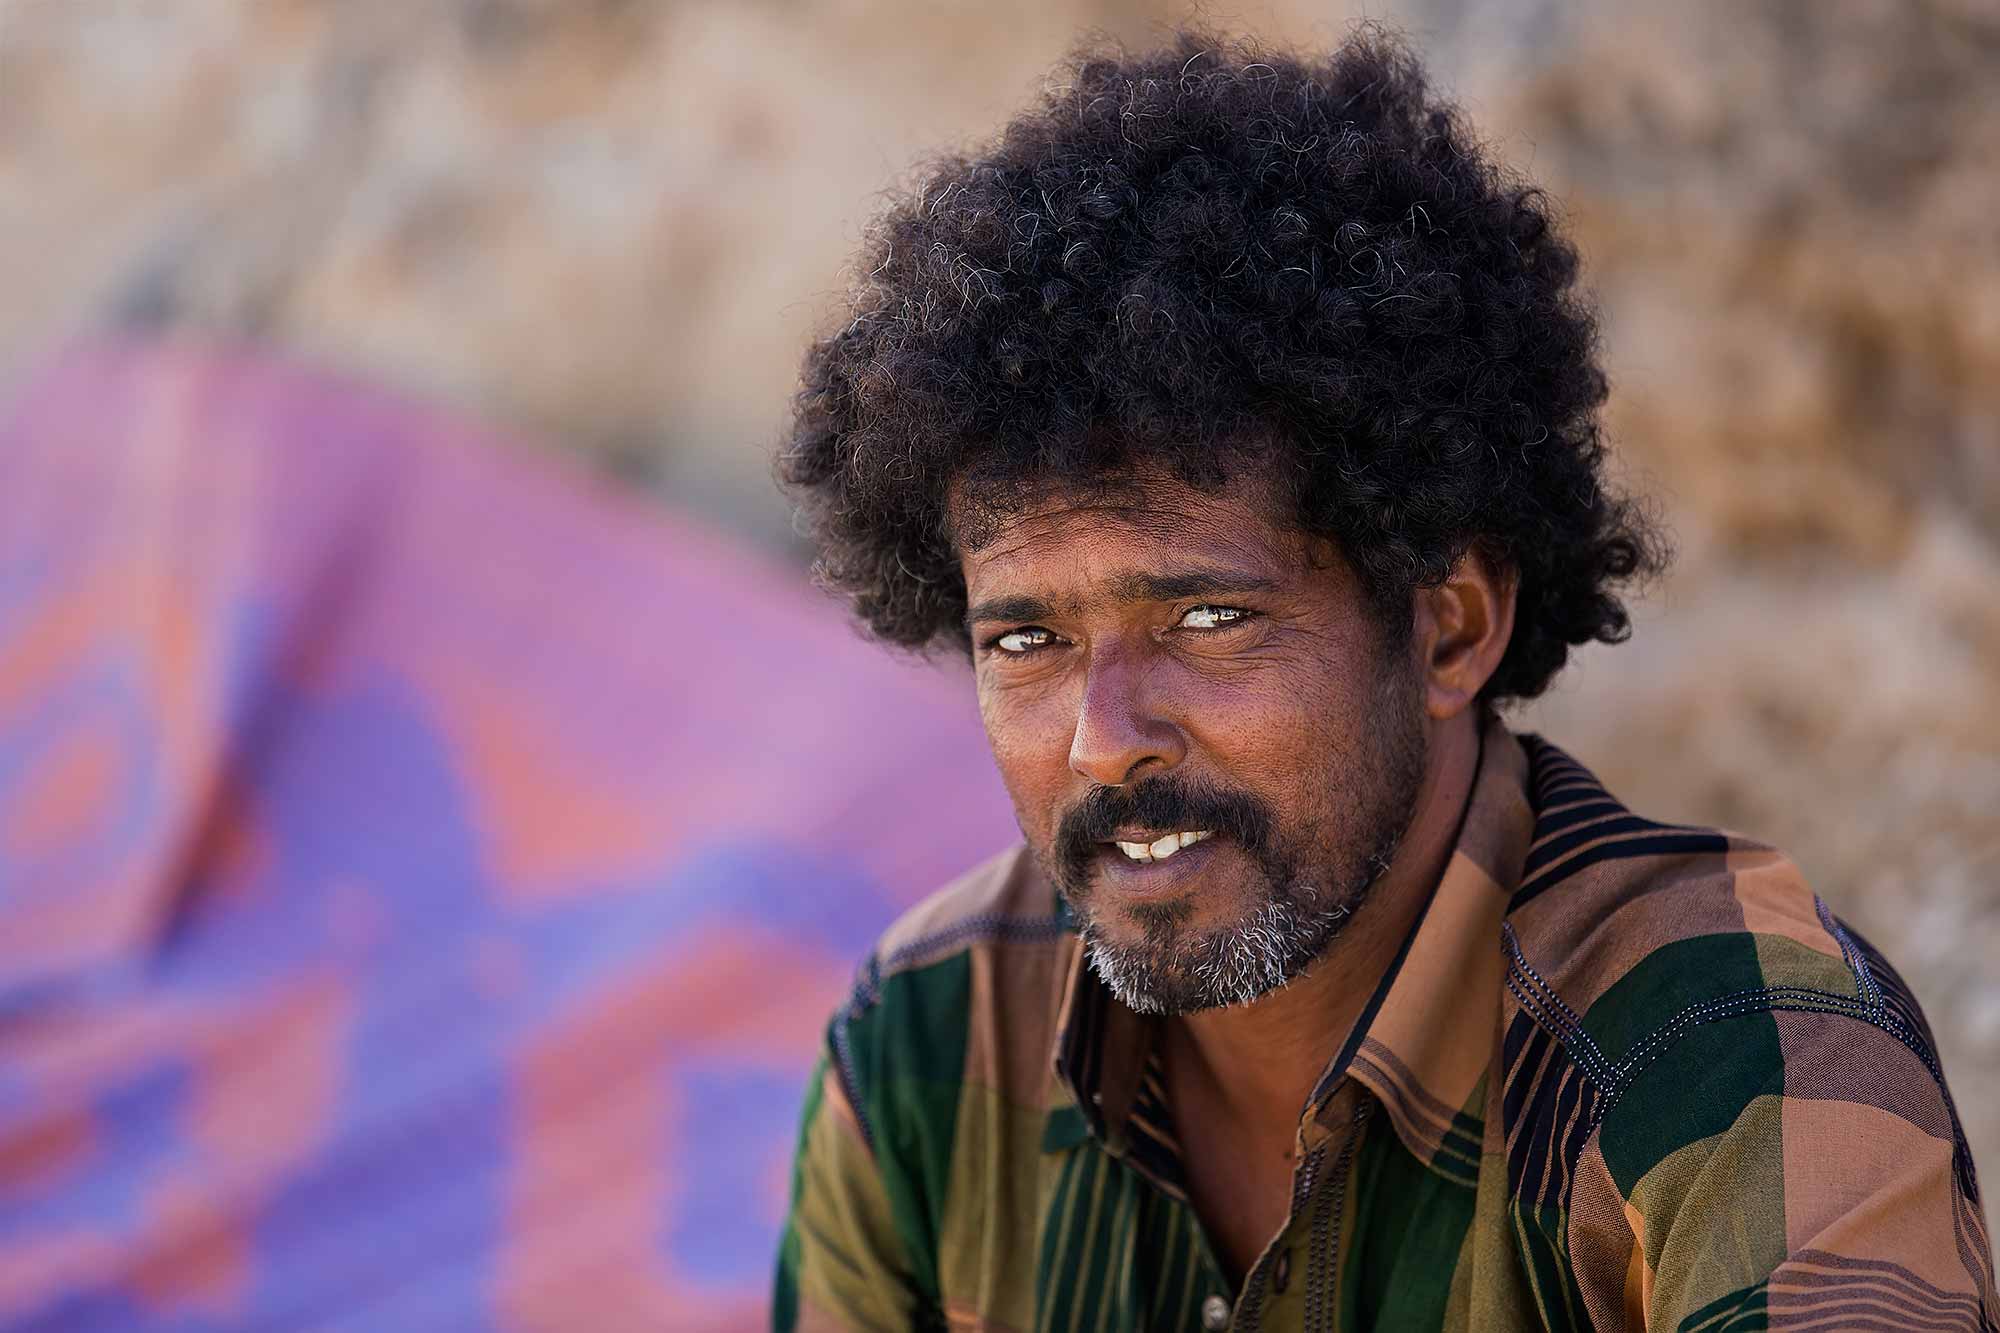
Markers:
(1307, 883)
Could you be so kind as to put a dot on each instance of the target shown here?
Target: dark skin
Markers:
(1155, 627)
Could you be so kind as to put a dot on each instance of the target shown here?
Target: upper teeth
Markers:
(1161, 849)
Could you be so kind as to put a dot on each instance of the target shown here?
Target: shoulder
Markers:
(965, 986)
(1625, 930)
(1691, 975)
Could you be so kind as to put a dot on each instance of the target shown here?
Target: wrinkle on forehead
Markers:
(1149, 523)
(1130, 544)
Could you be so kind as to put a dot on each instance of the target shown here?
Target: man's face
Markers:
(1211, 744)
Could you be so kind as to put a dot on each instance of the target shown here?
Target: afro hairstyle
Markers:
(1211, 257)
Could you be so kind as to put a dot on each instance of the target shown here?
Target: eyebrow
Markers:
(1008, 608)
(1162, 586)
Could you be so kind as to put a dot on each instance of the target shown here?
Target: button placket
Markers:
(1323, 1257)
(1271, 1274)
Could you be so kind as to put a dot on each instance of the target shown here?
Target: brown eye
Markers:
(1024, 640)
(1212, 617)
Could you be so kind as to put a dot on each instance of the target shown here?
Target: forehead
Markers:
(1080, 539)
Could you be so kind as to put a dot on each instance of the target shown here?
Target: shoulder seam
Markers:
(843, 1069)
(1540, 1001)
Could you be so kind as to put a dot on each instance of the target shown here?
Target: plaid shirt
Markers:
(1623, 1075)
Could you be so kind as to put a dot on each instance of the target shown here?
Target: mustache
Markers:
(1162, 803)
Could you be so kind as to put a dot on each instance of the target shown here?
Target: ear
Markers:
(1462, 629)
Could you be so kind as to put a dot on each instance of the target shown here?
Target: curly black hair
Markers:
(1218, 255)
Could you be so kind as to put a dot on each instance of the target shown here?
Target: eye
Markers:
(1213, 617)
(1018, 641)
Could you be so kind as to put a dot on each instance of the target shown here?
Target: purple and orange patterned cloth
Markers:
(424, 874)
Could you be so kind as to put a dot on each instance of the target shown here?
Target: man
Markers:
(1237, 414)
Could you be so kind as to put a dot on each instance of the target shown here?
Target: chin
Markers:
(1185, 972)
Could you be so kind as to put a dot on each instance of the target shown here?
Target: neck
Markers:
(1260, 1061)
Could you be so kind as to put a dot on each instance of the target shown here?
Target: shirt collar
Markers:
(1423, 1042)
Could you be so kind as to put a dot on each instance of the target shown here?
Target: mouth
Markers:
(1150, 864)
(1148, 848)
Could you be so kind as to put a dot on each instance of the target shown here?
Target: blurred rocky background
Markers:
(613, 225)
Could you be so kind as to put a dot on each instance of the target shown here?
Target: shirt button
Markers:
(1215, 1314)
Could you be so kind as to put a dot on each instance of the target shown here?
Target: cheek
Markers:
(1279, 731)
(1030, 733)
(1273, 758)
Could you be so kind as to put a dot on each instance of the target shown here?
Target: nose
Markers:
(1119, 735)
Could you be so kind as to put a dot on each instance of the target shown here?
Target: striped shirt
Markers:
(1623, 1075)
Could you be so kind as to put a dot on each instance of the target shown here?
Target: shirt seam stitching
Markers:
(1543, 1004)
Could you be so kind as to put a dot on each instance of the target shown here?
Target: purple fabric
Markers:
(424, 875)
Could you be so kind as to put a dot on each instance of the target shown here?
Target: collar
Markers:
(1421, 1045)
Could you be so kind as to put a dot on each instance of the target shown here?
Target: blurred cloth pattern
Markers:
(424, 877)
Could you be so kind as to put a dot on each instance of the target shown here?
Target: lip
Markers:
(1156, 879)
